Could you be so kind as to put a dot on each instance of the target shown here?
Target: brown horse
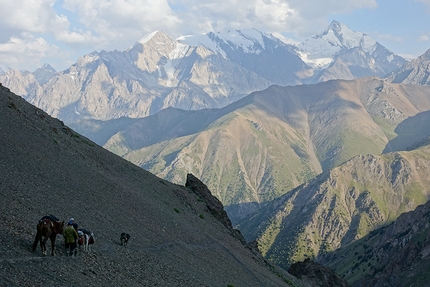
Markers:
(47, 227)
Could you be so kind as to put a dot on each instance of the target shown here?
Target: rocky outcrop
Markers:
(316, 274)
(213, 204)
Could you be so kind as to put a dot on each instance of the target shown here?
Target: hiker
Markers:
(73, 223)
(70, 237)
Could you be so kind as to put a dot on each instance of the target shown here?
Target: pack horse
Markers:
(86, 238)
(47, 227)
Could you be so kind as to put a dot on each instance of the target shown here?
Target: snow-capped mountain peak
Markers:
(320, 50)
(249, 40)
(47, 67)
(200, 40)
(147, 37)
(253, 50)
(156, 36)
(340, 35)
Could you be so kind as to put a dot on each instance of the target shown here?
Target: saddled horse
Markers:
(47, 227)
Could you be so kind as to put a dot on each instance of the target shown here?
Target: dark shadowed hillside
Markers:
(178, 237)
(395, 255)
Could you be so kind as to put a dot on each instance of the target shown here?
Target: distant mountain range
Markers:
(196, 72)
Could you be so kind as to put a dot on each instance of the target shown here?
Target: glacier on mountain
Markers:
(319, 51)
(249, 40)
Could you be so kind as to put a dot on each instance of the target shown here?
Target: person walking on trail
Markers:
(70, 237)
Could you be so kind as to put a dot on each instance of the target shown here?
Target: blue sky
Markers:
(34, 32)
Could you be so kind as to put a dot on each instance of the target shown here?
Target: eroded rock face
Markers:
(316, 274)
(214, 205)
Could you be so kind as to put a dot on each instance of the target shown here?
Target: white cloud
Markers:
(34, 47)
(118, 20)
(312, 15)
(303, 18)
(25, 27)
(127, 20)
(27, 15)
(25, 52)
(31, 16)
(75, 38)
(424, 38)
(110, 22)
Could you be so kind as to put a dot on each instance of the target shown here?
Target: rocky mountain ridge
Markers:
(256, 51)
(415, 72)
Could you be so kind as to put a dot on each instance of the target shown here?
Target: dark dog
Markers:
(124, 238)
